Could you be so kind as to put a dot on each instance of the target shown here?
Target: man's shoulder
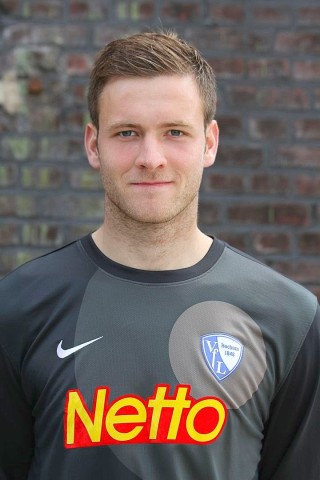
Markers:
(44, 280)
(49, 264)
(30, 293)
(265, 286)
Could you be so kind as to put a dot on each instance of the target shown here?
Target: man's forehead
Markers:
(185, 79)
(175, 99)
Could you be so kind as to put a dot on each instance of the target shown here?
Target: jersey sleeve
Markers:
(292, 435)
(16, 437)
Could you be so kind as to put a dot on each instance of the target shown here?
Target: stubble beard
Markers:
(130, 220)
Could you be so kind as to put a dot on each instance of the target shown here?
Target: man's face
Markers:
(151, 147)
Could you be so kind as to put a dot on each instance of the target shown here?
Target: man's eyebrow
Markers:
(128, 125)
(123, 125)
(177, 123)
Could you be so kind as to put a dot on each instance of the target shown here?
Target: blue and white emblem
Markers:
(222, 353)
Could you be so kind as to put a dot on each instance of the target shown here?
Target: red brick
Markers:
(298, 42)
(9, 235)
(308, 16)
(209, 214)
(44, 10)
(267, 128)
(215, 38)
(77, 35)
(228, 67)
(88, 10)
(78, 64)
(239, 156)
(308, 185)
(267, 184)
(242, 96)
(297, 156)
(181, 12)
(309, 243)
(249, 214)
(146, 9)
(35, 86)
(308, 70)
(78, 93)
(7, 206)
(308, 129)
(233, 13)
(293, 214)
(289, 98)
(271, 15)
(75, 120)
(229, 125)
(268, 68)
(259, 42)
(9, 7)
(137, 10)
(224, 183)
(271, 243)
(78, 8)
(268, 97)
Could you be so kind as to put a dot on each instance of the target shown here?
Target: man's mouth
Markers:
(158, 183)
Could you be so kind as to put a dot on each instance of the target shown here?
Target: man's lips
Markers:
(158, 183)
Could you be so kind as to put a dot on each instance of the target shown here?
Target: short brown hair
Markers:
(147, 55)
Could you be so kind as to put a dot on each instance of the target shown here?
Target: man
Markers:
(149, 350)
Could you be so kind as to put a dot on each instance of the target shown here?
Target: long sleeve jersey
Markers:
(209, 372)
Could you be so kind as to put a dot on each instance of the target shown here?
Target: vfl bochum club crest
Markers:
(222, 353)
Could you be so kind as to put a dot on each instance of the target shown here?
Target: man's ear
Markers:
(91, 146)
(212, 142)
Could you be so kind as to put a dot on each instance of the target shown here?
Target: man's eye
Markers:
(127, 133)
(176, 133)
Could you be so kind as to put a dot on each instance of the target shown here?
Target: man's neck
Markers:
(165, 246)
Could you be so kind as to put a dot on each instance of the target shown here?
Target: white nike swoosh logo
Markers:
(63, 353)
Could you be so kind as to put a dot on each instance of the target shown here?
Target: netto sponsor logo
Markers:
(160, 418)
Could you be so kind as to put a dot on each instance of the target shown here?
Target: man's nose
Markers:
(150, 154)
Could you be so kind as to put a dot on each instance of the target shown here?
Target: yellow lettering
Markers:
(197, 407)
(113, 418)
(180, 404)
(159, 402)
(76, 406)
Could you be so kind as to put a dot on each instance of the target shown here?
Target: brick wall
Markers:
(262, 195)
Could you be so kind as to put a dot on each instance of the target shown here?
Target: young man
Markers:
(148, 350)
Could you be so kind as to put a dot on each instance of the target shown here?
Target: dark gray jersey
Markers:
(208, 372)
